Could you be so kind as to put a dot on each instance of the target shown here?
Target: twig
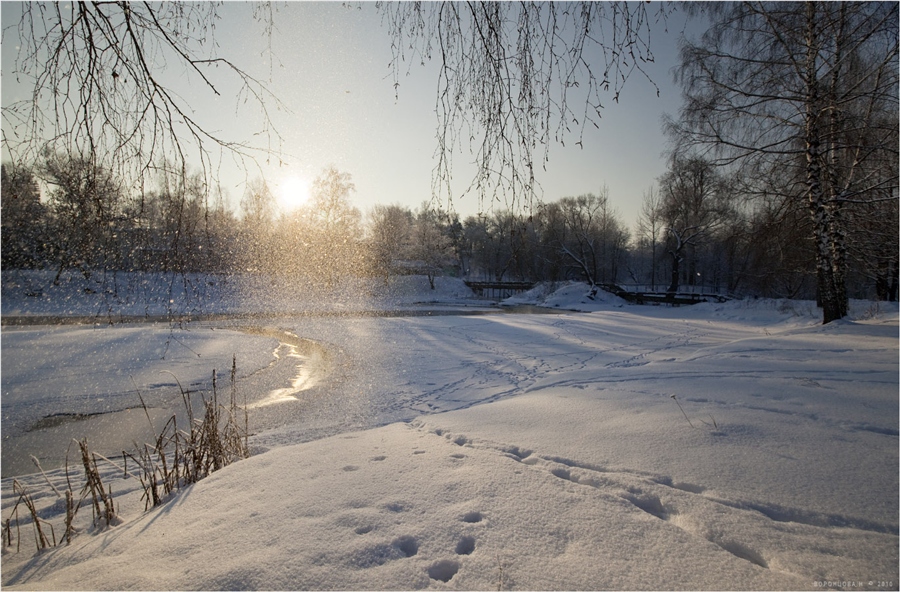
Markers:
(674, 398)
(37, 463)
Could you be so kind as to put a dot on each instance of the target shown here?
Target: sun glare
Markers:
(293, 192)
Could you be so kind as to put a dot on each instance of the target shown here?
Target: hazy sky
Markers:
(331, 69)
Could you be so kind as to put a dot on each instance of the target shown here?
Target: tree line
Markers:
(699, 227)
(783, 176)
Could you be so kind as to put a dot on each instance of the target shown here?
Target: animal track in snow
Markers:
(408, 545)
(443, 570)
(379, 554)
(689, 507)
(688, 487)
(465, 546)
(472, 517)
(651, 505)
(517, 453)
(374, 556)
(743, 552)
(654, 506)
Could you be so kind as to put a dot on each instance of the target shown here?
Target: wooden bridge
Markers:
(503, 290)
(676, 298)
(499, 290)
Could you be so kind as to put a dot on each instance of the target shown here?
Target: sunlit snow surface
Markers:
(526, 452)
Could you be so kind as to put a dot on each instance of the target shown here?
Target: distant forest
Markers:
(783, 154)
(698, 228)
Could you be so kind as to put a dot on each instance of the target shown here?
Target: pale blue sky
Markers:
(332, 70)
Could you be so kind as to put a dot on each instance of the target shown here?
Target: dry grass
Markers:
(713, 425)
(178, 457)
(41, 540)
(101, 498)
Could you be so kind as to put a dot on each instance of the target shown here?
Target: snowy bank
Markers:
(541, 452)
(134, 294)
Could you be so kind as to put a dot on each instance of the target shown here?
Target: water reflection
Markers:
(305, 378)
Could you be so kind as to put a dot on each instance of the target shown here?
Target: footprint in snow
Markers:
(472, 517)
(465, 546)
(443, 570)
(651, 505)
(408, 545)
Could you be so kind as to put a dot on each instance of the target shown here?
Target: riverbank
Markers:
(722, 446)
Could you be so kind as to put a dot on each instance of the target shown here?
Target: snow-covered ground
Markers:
(512, 451)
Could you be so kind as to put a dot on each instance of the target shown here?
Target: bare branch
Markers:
(101, 74)
(515, 77)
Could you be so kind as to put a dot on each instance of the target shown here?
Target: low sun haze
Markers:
(330, 66)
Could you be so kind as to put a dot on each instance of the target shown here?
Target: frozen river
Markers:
(70, 381)
(662, 440)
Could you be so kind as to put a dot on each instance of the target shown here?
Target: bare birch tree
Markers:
(650, 228)
(800, 89)
(333, 227)
(693, 204)
(430, 246)
(86, 203)
(587, 231)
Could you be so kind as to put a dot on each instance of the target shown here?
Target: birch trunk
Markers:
(832, 294)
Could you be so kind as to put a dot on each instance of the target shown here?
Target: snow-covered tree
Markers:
(390, 231)
(23, 219)
(86, 204)
(430, 246)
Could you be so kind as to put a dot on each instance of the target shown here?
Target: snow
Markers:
(110, 296)
(513, 451)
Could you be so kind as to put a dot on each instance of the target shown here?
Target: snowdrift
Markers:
(720, 446)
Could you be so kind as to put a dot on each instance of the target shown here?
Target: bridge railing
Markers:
(639, 293)
(499, 290)
(645, 293)
(660, 288)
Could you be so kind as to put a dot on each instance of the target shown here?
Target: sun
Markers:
(293, 192)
